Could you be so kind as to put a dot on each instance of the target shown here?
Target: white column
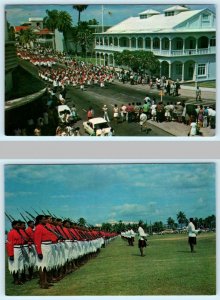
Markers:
(108, 59)
(169, 70)
(104, 59)
(136, 43)
(160, 45)
(170, 45)
(118, 43)
(96, 58)
(183, 71)
(103, 40)
(100, 59)
(196, 46)
(130, 43)
(183, 46)
(195, 72)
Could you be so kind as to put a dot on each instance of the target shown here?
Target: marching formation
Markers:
(51, 246)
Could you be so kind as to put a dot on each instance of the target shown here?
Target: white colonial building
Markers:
(183, 40)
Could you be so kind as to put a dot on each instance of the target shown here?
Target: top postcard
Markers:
(110, 70)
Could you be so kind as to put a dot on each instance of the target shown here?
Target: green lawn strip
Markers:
(167, 269)
(208, 84)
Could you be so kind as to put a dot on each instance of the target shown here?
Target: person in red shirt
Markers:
(43, 244)
(32, 252)
(15, 250)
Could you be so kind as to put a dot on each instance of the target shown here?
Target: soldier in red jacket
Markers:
(43, 244)
(16, 253)
(32, 252)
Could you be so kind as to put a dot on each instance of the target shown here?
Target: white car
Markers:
(63, 113)
(97, 127)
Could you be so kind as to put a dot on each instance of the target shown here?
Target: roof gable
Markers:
(195, 21)
(160, 23)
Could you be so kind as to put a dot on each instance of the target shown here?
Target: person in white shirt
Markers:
(192, 232)
(142, 239)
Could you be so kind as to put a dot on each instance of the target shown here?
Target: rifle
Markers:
(58, 235)
(35, 211)
(43, 212)
(23, 217)
(51, 214)
(10, 218)
(30, 215)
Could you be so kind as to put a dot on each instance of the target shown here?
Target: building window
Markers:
(212, 42)
(179, 44)
(205, 19)
(156, 43)
(201, 70)
(147, 43)
(169, 13)
(178, 69)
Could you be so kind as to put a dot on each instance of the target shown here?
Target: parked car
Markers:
(97, 127)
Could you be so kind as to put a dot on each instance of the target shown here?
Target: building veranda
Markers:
(183, 40)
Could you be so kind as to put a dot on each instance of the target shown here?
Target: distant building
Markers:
(183, 40)
(45, 37)
(10, 59)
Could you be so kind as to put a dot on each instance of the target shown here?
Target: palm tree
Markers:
(181, 218)
(64, 22)
(51, 20)
(170, 222)
(60, 20)
(26, 37)
(79, 8)
(81, 222)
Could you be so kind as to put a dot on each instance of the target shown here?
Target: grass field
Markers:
(205, 84)
(167, 269)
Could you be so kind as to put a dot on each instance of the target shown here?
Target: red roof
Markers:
(19, 28)
(44, 31)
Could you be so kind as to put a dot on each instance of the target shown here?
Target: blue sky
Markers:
(18, 14)
(112, 192)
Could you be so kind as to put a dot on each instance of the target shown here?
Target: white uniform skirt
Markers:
(76, 249)
(21, 259)
(47, 261)
(32, 255)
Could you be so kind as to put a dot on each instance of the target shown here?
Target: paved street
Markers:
(119, 93)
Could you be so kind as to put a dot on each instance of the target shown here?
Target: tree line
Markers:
(158, 226)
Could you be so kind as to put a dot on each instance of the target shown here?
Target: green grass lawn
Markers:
(206, 84)
(167, 269)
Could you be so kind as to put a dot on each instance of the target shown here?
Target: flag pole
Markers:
(102, 18)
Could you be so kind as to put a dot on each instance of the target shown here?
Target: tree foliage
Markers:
(138, 60)
(81, 221)
(170, 223)
(26, 36)
(60, 20)
(83, 37)
(80, 8)
(181, 218)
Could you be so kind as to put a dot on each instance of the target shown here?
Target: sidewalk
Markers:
(181, 129)
(185, 91)
(175, 128)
